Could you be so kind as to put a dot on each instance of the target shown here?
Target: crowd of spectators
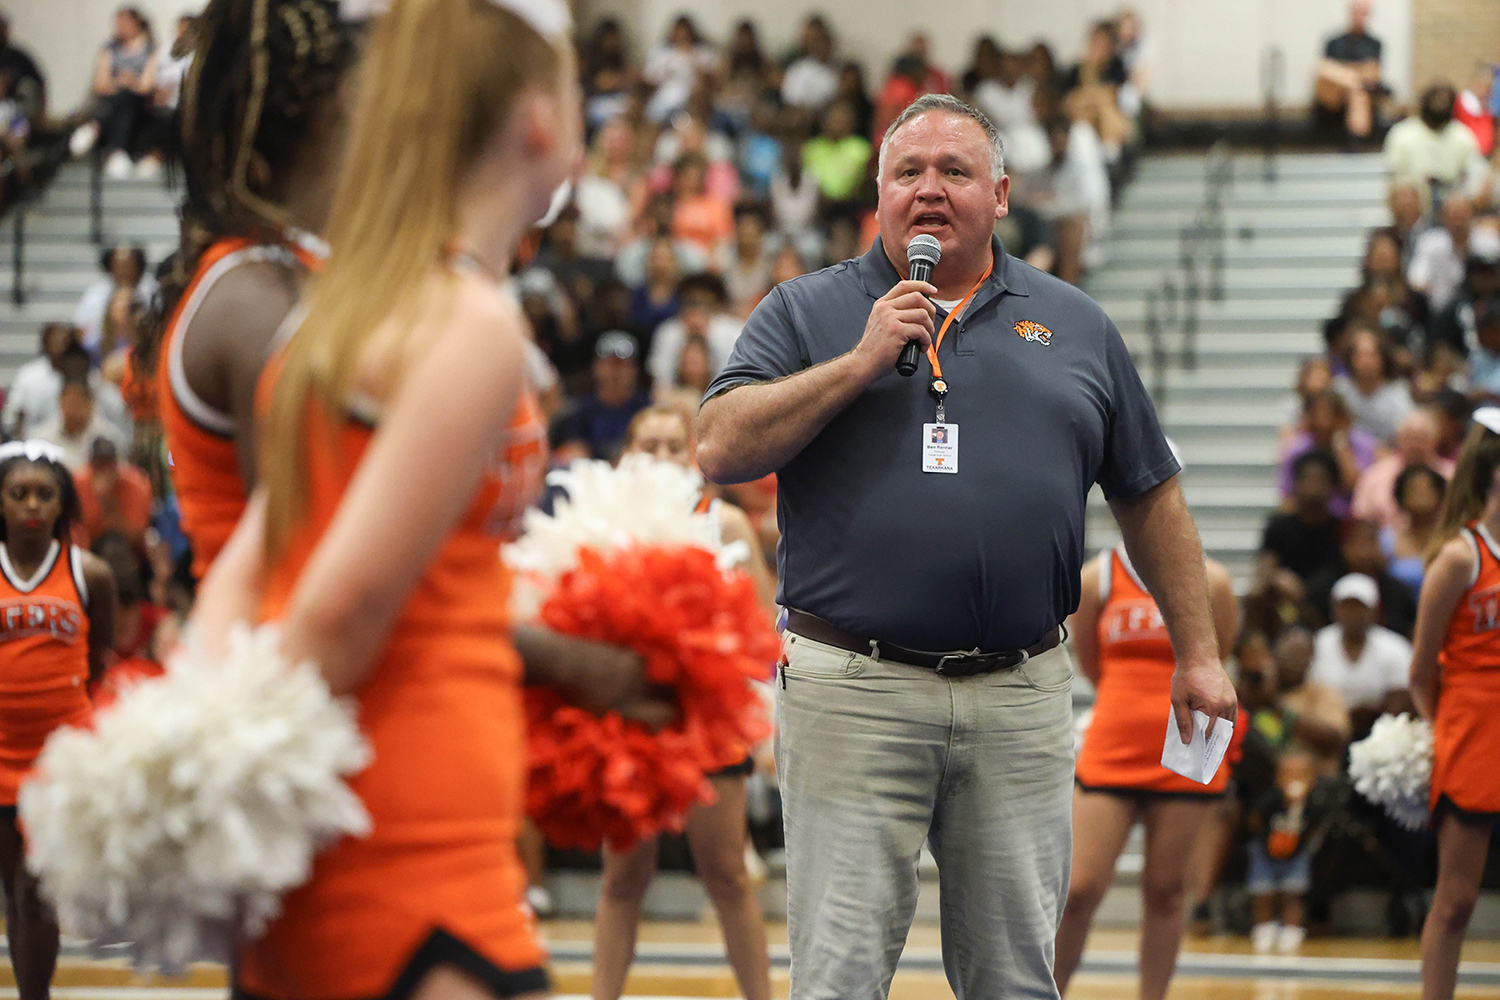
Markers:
(1369, 439)
(715, 171)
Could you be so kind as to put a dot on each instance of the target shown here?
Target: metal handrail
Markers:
(1273, 75)
(96, 195)
(18, 258)
(1201, 260)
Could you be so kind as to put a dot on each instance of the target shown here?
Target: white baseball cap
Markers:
(1356, 587)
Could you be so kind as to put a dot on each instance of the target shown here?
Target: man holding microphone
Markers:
(924, 693)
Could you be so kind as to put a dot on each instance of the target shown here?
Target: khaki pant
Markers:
(875, 757)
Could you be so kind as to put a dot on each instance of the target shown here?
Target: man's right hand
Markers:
(901, 315)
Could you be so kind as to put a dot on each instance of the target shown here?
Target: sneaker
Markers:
(540, 900)
(118, 166)
(1264, 937)
(1289, 939)
(83, 139)
(149, 169)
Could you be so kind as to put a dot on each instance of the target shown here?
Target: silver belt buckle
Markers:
(942, 662)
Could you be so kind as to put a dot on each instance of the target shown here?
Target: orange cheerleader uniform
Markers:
(205, 470)
(438, 881)
(44, 659)
(1133, 701)
(1466, 732)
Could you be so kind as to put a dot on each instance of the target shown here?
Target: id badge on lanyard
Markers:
(940, 439)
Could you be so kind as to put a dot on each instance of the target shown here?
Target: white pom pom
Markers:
(1392, 767)
(196, 801)
(640, 502)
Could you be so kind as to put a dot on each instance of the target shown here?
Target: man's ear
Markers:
(1002, 197)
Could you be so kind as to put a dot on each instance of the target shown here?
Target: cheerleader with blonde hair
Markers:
(399, 443)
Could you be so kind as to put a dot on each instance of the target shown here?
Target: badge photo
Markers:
(940, 448)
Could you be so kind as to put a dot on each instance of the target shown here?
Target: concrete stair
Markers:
(61, 258)
(1291, 249)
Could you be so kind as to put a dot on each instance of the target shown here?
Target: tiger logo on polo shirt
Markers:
(1035, 332)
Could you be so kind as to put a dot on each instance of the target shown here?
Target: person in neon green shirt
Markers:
(838, 159)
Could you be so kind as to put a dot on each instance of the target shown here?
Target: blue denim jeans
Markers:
(873, 757)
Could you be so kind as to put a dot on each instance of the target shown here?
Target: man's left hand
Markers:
(1203, 687)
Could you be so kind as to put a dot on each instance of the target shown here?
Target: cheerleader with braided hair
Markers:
(261, 124)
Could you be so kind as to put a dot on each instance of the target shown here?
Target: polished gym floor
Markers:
(685, 960)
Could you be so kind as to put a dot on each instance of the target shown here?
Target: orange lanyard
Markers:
(932, 356)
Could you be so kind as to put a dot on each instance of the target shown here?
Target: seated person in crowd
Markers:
(1310, 716)
(747, 279)
(1431, 152)
(760, 151)
(902, 86)
(1419, 492)
(1368, 665)
(1314, 375)
(33, 395)
(704, 314)
(1328, 426)
(78, 424)
(1378, 400)
(124, 268)
(124, 82)
(812, 79)
(838, 159)
(1439, 256)
(632, 265)
(1484, 354)
(1093, 87)
(1416, 444)
(114, 497)
(1005, 95)
(699, 217)
(1453, 328)
(1349, 75)
(1072, 194)
(596, 426)
(674, 65)
(15, 131)
(556, 328)
(1305, 539)
(655, 300)
(1360, 552)
(25, 84)
(1473, 110)
(579, 273)
(1275, 599)
(32, 399)
(689, 380)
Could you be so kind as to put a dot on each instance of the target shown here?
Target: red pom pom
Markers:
(701, 632)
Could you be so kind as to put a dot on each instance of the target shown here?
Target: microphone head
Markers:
(924, 246)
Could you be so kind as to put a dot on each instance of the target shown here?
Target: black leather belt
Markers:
(954, 664)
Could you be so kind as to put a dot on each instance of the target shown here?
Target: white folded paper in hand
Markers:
(1200, 759)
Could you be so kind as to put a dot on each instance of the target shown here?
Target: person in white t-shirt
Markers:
(812, 80)
(1438, 257)
(704, 316)
(1367, 664)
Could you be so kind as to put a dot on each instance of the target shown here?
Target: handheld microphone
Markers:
(922, 255)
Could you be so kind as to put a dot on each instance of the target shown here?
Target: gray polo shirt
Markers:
(988, 558)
